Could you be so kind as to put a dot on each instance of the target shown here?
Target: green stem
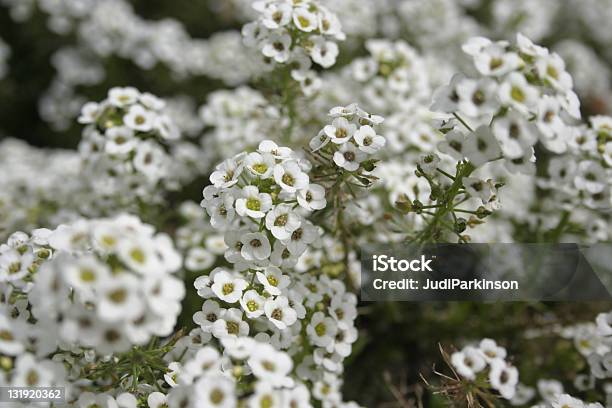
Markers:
(463, 122)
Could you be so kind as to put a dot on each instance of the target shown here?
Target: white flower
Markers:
(321, 330)
(85, 274)
(163, 294)
(300, 238)
(298, 397)
(199, 259)
(273, 280)
(446, 98)
(208, 315)
(549, 389)
(221, 210)
(139, 255)
(271, 366)
(478, 188)
(14, 265)
(491, 350)
(152, 102)
(276, 46)
(429, 163)
(282, 257)
(255, 246)
(167, 129)
(261, 165)
(126, 400)
(290, 176)
(481, 146)
(90, 112)
(367, 139)
(477, 97)
(516, 92)
(279, 312)
(139, 118)
(239, 348)
(157, 400)
(344, 340)
(323, 52)
(493, 59)
(526, 46)
(522, 395)
(230, 324)
(253, 203)
(122, 97)
(277, 15)
(228, 288)
(265, 395)
(253, 33)
(150, 160)
(551, 69)
(282, 221)
(205, 360)
(319, 141)
(226, 174)
(329, 24)
(344, 313)
(567, 401)
(71, 238)
(183, 397)
(454, 144)
(120, 298)
(304, 20)
(346, 111)
(9, 341)
(268, 146)
(252, 303)
(503, 377)
(215, 391)
(340, 131)
(120, 140)
(579, 138)
(604, 324)
(313, 197)
(549, 121)
(514, 134)
(468, 362)
(475, 45)
(363, 69)
(590, 177)
(349, 157)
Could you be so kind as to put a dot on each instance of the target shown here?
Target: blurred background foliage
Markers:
(30, 72)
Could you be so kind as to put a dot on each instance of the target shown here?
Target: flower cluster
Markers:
(128, 139)
(295, 33)
(104, 284)
(350, 140)
(594, 342)
(304, 321)
(33, 178)
(581, 176)
(552, 395)
(255, 197)
(487, 360)
(276, 338)
(394, 75)
(238, 118)
(523, 95)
